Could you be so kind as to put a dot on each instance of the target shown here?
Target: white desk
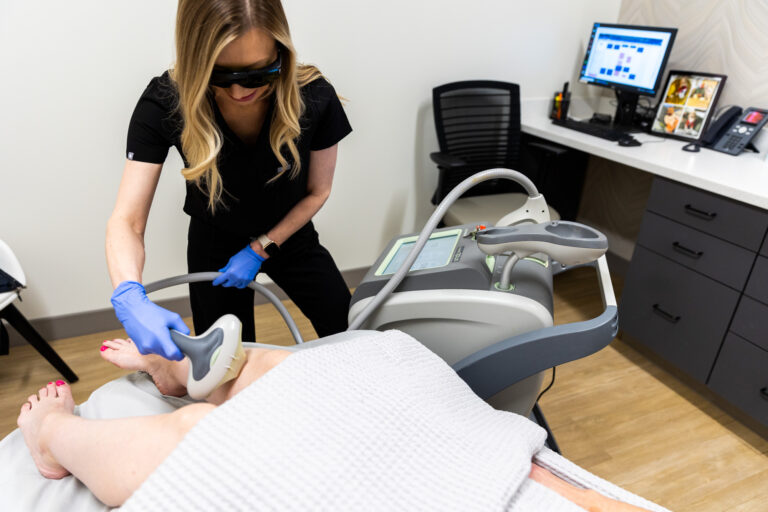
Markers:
(743, 178)
(677, 301)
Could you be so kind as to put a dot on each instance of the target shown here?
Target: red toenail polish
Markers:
(103, 348)
(50, 383)
(59, 382)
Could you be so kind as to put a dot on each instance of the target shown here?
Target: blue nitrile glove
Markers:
(240, 270)
(146, 323)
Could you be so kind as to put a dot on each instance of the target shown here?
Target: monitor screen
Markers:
(627, 57)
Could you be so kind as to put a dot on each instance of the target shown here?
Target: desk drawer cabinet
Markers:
(697, 291)
(676, 312)
(751, 322)
(722, 261)
(757, 287)
(741, 377)
(737, 223)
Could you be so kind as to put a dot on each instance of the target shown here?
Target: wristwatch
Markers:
(270, 246)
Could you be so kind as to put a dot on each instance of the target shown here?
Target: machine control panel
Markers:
(438, 252)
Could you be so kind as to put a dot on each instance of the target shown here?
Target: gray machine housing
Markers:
(499, 336)
(468, 269)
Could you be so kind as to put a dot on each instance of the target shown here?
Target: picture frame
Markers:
(687, 104)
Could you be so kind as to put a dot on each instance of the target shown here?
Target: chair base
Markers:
(14, 317)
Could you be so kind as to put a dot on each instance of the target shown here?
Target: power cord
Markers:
(547, 388)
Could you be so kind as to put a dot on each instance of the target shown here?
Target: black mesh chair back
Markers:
(478, 125)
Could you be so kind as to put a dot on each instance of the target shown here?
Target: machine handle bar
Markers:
(492, 369)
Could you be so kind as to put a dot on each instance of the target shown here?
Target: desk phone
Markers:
(741, 131)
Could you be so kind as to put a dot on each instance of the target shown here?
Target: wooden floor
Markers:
(614, 413)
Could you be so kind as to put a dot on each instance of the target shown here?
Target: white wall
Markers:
(73, 71)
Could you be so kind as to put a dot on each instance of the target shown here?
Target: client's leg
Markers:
(111, 457)
(258, 362)
(170, 377)
(587, 499)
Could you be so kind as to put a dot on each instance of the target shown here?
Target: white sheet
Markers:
(22, 488)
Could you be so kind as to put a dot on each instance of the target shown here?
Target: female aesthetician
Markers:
(258, 134)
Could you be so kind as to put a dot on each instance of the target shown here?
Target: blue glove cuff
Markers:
(127, 288)
(254, 254)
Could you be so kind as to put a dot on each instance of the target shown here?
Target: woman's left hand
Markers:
(240, 270)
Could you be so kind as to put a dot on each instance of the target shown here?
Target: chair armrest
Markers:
(446, 160)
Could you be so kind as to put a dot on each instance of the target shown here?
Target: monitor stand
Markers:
(625, 111)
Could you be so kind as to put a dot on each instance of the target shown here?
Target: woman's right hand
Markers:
(146, 323)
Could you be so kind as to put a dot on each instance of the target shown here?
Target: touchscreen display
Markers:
(753, 117)
(436, 253)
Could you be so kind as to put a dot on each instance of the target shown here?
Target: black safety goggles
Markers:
(250, 78)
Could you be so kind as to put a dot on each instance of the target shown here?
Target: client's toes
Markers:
(64, 394)
(123, 354)
(32, 400)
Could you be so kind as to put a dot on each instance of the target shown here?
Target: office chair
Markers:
(13, 280)
(478, 128)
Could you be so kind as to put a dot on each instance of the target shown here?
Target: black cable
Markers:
(547, 388)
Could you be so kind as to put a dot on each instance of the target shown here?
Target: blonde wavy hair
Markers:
(203, 29)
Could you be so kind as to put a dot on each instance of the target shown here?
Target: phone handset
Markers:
(716, 129)
(720, 125)
(734, 130)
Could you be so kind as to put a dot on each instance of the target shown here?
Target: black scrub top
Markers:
(251, 206)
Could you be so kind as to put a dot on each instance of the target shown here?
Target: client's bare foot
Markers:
(165, 373)
(38, 415)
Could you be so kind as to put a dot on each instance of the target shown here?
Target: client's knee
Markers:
(260, 361)
(187, 417)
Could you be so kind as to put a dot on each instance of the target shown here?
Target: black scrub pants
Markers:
(304, 269)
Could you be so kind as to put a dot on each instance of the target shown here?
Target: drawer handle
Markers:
(666, 316)
(764, 393)
(700, 213)
(688, 252)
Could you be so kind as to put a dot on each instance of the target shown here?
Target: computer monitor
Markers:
(630, 59)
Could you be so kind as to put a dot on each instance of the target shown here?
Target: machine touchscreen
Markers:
(436, 253)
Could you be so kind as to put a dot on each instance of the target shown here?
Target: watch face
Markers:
(272, 249)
